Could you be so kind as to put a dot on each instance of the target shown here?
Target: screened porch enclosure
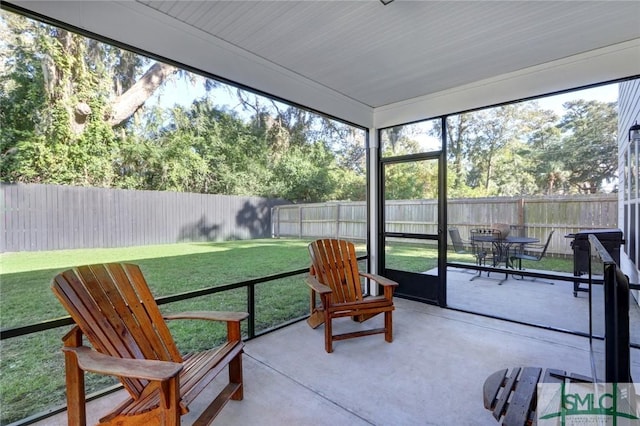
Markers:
(376, 68)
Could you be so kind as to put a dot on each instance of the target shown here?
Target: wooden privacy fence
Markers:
(54, 217)
(539, 215)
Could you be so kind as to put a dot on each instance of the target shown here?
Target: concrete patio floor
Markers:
(534, 301)
(547, 303)
(432, 373)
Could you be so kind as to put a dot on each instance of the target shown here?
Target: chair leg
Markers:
(328, 337)
(235, 376)
(519, 268)
(170, 401)
(74, 376)
(388, 327)
(532, 280)
(76, 409)
(480, 262)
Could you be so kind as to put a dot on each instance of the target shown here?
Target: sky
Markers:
(184, 92)
(608, 93)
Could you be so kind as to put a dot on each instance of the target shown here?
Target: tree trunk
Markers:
(125, 105)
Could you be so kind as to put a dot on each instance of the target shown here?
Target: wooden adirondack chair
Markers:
(114, 308)
(335, 278)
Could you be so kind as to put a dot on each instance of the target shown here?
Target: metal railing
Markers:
(250, 285)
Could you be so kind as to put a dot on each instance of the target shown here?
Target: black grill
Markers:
(611, 239)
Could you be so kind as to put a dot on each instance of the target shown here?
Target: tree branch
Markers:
(125, 105)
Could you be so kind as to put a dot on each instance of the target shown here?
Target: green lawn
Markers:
(32, 366)
(421, 258)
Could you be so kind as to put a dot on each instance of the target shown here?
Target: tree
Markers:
(589, 146)
(76, 90)
(483, 150)
(456, 143)
(543, 162)
(290, 133)
(305, 174)
(494, 131)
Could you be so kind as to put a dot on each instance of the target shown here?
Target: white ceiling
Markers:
(378, 55)
(341, 56)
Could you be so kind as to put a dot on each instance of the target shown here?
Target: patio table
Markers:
(502, 246)
(513, 398)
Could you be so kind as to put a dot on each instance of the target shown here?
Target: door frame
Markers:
(410, 283)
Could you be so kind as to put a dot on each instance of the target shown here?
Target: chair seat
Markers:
(361, 311)
(199, 369)
(533, 258)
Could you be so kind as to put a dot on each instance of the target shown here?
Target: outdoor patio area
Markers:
(547, 303)
(432, 373)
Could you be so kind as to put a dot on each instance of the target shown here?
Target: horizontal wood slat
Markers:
(335, 279)
(114, 308)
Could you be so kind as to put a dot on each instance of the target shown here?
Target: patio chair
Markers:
(335, 278)
(113, 307)
(483, 246)
(459, 245)
(532, 253)
(456, 240)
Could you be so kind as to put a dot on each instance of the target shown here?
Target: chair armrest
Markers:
(96, 362)
(316, 286)
(231, 318)
(209, 316)
(379, 279)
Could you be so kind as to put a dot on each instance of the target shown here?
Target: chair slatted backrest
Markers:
(114, 308)
(546, 244)
(456, 240)
(335, 264)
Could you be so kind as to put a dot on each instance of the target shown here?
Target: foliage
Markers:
(49, 74)
(59, 92)
(54, 105)
(520, 149)
(590, 143)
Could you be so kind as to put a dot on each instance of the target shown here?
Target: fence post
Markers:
(338, 220)
(521, 217)
(275, 222)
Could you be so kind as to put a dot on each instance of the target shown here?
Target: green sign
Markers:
(587, 404)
